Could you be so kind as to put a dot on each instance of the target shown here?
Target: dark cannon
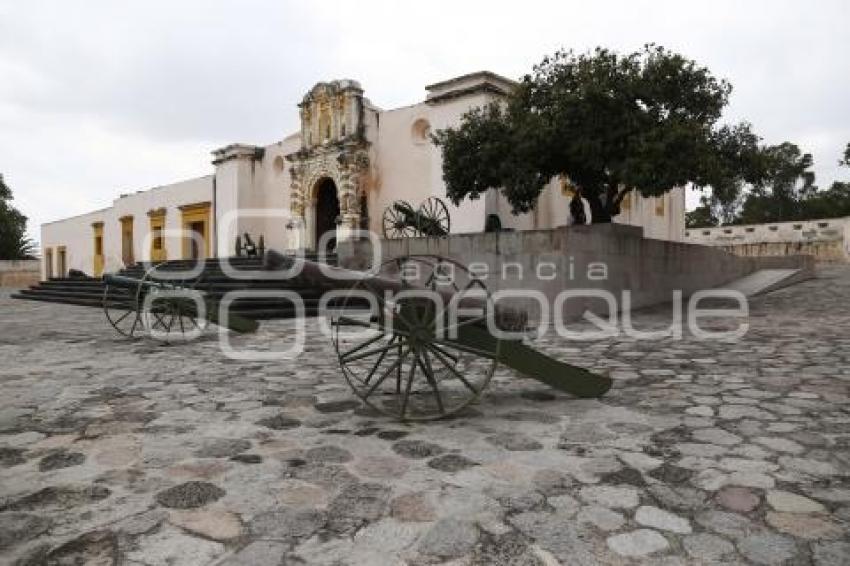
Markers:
(167, 308)
(420, 337)
(431, 219)
(417, 337)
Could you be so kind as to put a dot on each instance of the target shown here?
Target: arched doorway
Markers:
(327, 212)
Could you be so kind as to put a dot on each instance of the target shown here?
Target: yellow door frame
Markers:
(97, 244)
(158, 251)
(190, 214)
(61, 261)
(48, 263)
(127, 251)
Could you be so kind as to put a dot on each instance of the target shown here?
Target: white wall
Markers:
(553, 211)
(401, 168)
(77, 235)
(138, 204)
(803, 231)
(826, 239)
(275, 187)
(643, 211)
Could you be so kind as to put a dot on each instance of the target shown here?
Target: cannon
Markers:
(431, 219)
(165, 307)
(419, 337)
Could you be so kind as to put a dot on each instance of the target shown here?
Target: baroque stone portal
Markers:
(334, 146)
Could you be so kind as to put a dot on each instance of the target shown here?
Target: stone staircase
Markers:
(213, 280)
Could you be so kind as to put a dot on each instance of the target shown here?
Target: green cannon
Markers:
(420, 338)
(417, 337)
(431, 219)
(166, 308)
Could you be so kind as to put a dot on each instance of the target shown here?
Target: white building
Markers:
(346, 164)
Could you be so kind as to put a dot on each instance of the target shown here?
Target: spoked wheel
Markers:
(434, 218)
(399, 220)
(409, 355)
(122, 310)
(167, 306)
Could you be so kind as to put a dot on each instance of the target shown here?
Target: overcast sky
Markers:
(100, 98)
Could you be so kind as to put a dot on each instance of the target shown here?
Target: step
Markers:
(264, 312)
(765, 280)
(212, 280)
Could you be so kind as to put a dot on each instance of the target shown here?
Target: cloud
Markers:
(97, 98)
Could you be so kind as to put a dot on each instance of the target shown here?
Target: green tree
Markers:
(787, 183)
(703, 216)
(14, 243)
(788, 192)
(645, 121)
(833, 202)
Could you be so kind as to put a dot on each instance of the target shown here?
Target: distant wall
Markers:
(650, 269)
(827, 240)
(19, 273)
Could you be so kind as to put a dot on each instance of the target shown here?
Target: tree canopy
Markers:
(612, 123)
(14, 243)
(786, 192)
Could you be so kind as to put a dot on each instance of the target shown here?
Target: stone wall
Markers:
(822, 251)
(650, 269)
(19, 273)
(828, 239)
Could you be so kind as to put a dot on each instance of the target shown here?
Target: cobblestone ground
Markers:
(704, 452)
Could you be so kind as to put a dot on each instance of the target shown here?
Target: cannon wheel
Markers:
(174, 322)
(121, 307)
(433, 218)
(394, 222)
(389, 353)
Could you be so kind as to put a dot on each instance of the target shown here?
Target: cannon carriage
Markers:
(416, 338)
(431, 219)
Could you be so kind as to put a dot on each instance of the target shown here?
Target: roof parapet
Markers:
(471, 83)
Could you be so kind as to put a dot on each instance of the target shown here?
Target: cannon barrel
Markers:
(511, 352)
(125, 282)
(231, 321)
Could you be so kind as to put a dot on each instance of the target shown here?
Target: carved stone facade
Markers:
(333, 146)
(338, 172)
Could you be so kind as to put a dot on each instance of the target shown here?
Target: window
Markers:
(773, 228)
(750, 229)
(823, 224)
(98, 245)
(659, 206)
(157, 238)
(727, 230)
(420, 131)
(706, 232)
(278, 165)
(798, 226)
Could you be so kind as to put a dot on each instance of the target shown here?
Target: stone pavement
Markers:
(124, 452)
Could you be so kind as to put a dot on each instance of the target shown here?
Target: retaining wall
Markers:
(19, 273)
(828, 239)
(575, 257)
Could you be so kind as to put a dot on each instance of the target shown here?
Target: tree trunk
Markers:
(598, 211)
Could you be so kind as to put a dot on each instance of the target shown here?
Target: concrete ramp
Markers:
(766, 280)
